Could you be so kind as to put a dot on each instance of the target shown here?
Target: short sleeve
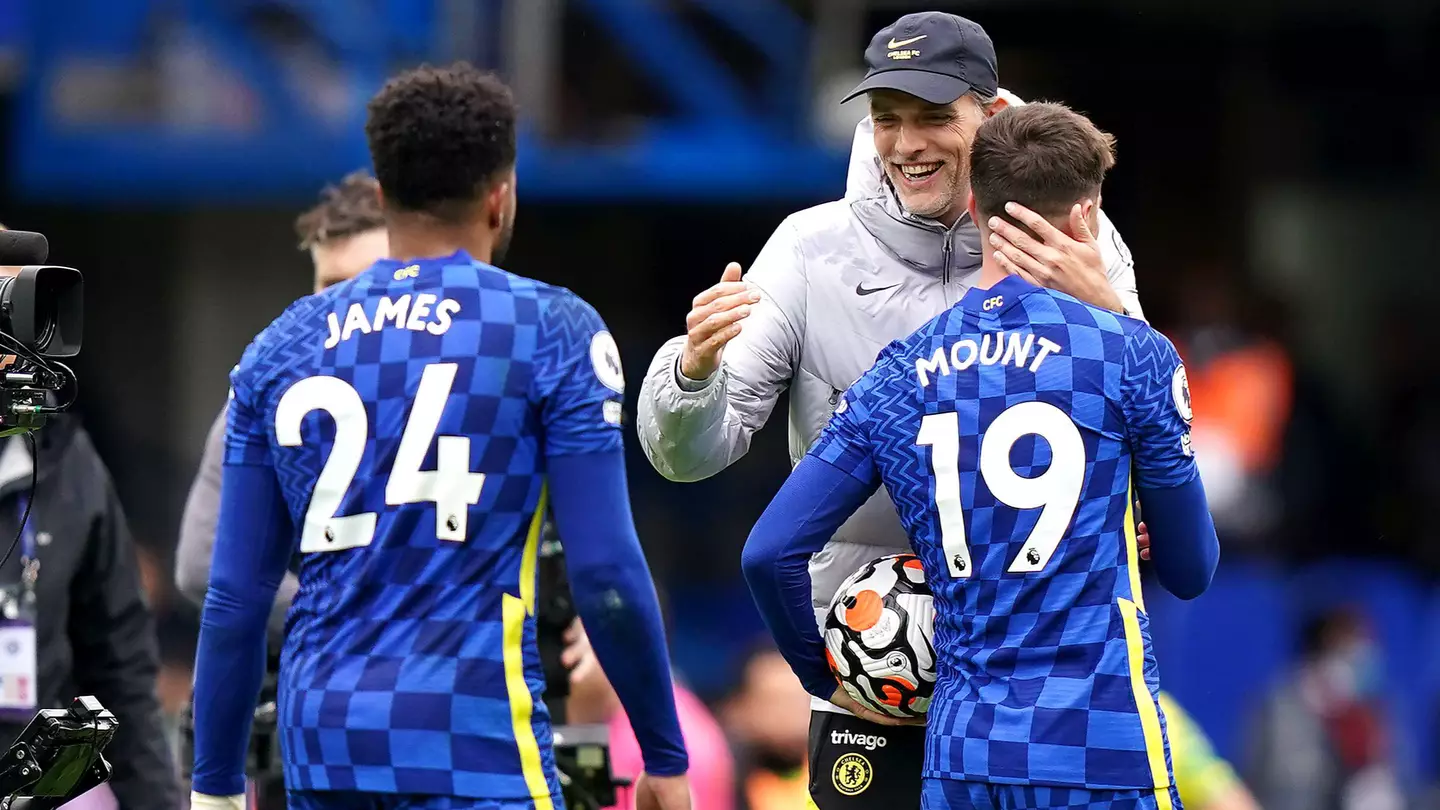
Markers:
(580, 383)
(247, 437)
(1156, 397)
(845, 442)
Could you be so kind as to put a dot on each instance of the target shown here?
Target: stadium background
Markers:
(1278, 173)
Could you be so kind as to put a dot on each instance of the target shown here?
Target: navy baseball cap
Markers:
(934, 56)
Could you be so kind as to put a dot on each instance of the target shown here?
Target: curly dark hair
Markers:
(345, 209)
(439, 136)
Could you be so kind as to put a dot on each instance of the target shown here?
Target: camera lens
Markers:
(41, 308)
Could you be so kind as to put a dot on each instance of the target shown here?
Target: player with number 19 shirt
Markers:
(1005, 430)
(1011, 432)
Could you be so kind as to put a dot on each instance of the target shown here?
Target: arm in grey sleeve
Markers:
(1119, 266)
(693, 432)
(197, 532)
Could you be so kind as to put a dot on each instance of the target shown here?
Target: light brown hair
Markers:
(1044, 156)
(345, 209)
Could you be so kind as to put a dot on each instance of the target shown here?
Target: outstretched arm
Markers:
(707, 392)
(814, 501)
(616, 599)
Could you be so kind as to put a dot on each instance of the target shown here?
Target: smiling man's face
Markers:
(925, 149)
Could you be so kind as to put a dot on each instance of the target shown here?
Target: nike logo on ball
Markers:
(861, 289)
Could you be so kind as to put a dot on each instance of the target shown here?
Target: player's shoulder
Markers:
(462, 271)
(527, 301)
(1149, 345)
(289, 339)
(571, 327)
(1043, 304)
(562, 310)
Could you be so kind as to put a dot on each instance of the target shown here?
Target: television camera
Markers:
(57, 757)
(40, 323)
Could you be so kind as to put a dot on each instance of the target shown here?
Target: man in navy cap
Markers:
(832, 287)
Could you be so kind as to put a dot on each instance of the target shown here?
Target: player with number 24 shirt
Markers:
(1011, 431)
(406, 432)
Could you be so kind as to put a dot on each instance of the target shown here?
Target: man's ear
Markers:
(1090, 212)
(970, 207)
(996, 106)
(495, 204)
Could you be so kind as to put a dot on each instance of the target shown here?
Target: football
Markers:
(878, 636)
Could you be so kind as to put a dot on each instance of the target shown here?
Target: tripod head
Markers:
(58, 756)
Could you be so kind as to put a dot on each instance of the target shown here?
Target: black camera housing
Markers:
(58, 756)
(43, 308)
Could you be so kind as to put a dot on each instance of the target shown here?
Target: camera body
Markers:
(41, 321)
(58, 756)
(554, 612)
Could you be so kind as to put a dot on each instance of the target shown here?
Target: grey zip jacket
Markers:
(838, 282)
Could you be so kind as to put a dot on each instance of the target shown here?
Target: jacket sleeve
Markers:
(116, 656)
(1119, 266)
(196, 548)
(694, 432)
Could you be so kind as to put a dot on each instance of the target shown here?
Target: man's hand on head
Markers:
(1058, 261)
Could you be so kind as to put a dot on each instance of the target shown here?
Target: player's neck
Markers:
(415, 241)
(990, 272)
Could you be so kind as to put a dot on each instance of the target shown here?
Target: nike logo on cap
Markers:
(861, 289)
(893, 44)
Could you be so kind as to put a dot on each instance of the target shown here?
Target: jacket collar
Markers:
(919, 242)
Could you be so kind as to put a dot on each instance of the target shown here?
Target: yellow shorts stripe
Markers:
(529, 557)
(522, 706)
(514, 614)
(1144, 702)
(1132, 549)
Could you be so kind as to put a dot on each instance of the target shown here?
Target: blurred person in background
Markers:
(1242, 382)
(835, 284)
(344, 234)
(593, 700)
(74, 583)
(768, 720)
(1321, 740)
(1203, 779)
(1407, 462)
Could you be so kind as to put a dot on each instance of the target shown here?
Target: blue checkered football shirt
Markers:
(419, 402)
(1010, 432)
